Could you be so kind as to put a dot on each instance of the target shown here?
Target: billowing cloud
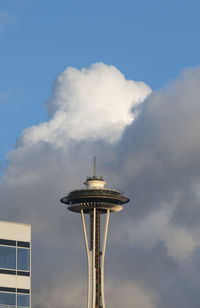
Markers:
(153, 245)
(179, 242)
(137, 295)
(94, 103)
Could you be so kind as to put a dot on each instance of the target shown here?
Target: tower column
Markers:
(95, 248)
(103, 257)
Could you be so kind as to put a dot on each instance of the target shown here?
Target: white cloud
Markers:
(94, 103)
(157, 158)
(130, 295)
(118, 294)
(179, 241)
(62, 295)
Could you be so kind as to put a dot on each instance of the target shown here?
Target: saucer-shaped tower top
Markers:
(95, 195)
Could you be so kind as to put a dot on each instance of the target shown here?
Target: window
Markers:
(8, 299)
(14, 260)
(23, 259)
(23, 244)
(7, 257)
(23, 300)
(8, 263)
(7, 242)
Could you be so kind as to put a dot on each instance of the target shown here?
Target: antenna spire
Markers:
(94, 173)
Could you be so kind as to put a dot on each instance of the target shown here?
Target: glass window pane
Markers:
(7, 299)
(7, 242)
(23, 300)
(23, 259)
(7, 257)
(23, 244)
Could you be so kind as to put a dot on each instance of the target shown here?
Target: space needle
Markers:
(95, 200)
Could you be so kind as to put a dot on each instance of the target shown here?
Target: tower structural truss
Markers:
(95, 200)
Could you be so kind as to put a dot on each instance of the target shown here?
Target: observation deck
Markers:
(95, 195)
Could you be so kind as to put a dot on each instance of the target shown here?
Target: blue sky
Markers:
(152, 41)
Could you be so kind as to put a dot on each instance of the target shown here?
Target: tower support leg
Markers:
(89, 256)
(103, 257)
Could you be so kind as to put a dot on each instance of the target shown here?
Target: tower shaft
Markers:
(95, 258)
(95, 247)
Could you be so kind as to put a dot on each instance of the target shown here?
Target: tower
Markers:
(95, 200)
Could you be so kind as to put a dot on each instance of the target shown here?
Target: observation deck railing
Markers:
(106, 191)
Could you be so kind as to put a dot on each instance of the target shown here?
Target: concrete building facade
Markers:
(15, 265)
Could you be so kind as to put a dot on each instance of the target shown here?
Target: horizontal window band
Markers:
(14, 243)
(5, 289)
(13, 272)
(25, 291)
(22, 273)
(23, 244)
(6, 271)
(7, 242)
(13, 290)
